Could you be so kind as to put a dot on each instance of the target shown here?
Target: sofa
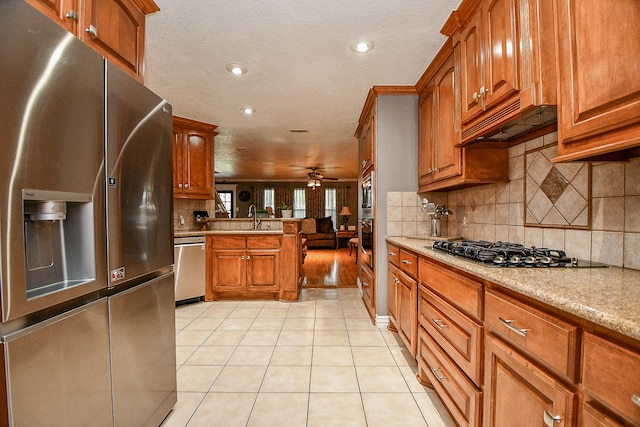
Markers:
(319, 233)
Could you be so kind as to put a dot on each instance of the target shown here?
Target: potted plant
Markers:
(287, 211)
(262, 213)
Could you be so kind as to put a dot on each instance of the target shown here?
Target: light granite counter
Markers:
(609, 297)
(197, 233)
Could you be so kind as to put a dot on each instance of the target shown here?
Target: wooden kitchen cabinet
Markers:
(114, 28)
(611, 378)
(520, 393)
(192, 159)
(368, 282)
(598, 67)
(402, 296)
(442, 162)
(243, 267)
(506, 66)
(367, 141)
(489, 62)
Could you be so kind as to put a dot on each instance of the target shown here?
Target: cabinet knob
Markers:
(475, 96)
(392, 254)
(483, 91)
(550, 420)
(406, 262)
(248, 256)
(186, 186)
(72, 14)
(92, 30)
(179, 185)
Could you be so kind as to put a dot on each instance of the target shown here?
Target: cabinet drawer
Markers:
(461, 397)
(456, 333)
(611, 374)
(591, 417)
(461, 291)
(409, 263)
(393, 254)
(263, 242)
(227, 242)
(545, 337)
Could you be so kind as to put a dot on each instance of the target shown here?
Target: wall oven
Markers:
(366, 241)
(366, 195)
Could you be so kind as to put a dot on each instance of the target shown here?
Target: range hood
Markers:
(530, 121)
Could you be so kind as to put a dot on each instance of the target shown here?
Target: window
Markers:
(269, 195)
(330, 205)
(299, 203)
(226, 197)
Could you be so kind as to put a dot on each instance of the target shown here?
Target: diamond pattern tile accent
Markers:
(556, 195)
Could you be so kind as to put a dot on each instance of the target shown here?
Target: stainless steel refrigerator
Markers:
(140, 251)
(87, 334)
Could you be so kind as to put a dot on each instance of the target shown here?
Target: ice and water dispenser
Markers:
(59, 240)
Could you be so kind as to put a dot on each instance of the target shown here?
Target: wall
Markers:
(496, 212)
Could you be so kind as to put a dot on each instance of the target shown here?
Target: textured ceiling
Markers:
(302, 74)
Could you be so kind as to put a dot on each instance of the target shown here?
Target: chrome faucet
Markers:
(256, 221)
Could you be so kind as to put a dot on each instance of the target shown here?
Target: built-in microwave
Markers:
(367, 195)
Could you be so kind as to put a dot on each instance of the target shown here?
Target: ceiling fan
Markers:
(315, 178)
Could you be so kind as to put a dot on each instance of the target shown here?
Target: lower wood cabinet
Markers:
(368, 282)
(520, 393)
(461, 397)
(243, 267)
(611, 377)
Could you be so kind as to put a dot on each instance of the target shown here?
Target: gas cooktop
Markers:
(506, 254)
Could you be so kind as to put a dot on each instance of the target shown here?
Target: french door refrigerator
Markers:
(86, 279)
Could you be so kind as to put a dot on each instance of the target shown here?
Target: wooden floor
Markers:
(328, 268)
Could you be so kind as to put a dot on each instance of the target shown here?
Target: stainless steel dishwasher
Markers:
(189, 258)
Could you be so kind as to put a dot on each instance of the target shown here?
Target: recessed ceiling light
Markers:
(237, 69)
(362, 45)
(248, 110)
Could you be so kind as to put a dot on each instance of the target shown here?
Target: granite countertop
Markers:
(609, 297)
(195, 233)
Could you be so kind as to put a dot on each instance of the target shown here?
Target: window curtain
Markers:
(258, 196)
(342, 197)
(283, 195)
(315, 203)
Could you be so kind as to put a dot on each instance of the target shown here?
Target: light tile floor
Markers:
(316, 362)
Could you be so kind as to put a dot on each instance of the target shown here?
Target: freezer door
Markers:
(139, 180)
(58, 371)
(143, 349)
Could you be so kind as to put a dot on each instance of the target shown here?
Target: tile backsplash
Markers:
(184, 208)
(497, 212)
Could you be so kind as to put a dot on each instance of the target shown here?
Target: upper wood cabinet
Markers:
(442, 162)
(599, 80)
(507, 58)
(114, 28)
(489, 68)
(367, 141)
(192, 159)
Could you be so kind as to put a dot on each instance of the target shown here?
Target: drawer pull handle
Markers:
(635, 399)
(439, 323)
(92, 30)
(392, 254)
(396, 280)
(406, 262)
(438, 377)
(508, 324)
(550, 420)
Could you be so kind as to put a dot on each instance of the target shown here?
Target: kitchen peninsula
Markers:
(245, 262)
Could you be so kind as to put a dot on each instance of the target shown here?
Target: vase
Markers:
(287, 213)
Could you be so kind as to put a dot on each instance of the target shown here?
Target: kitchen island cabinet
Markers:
(193, 159)
(599, 80)
(114, 28)
(505, 345)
